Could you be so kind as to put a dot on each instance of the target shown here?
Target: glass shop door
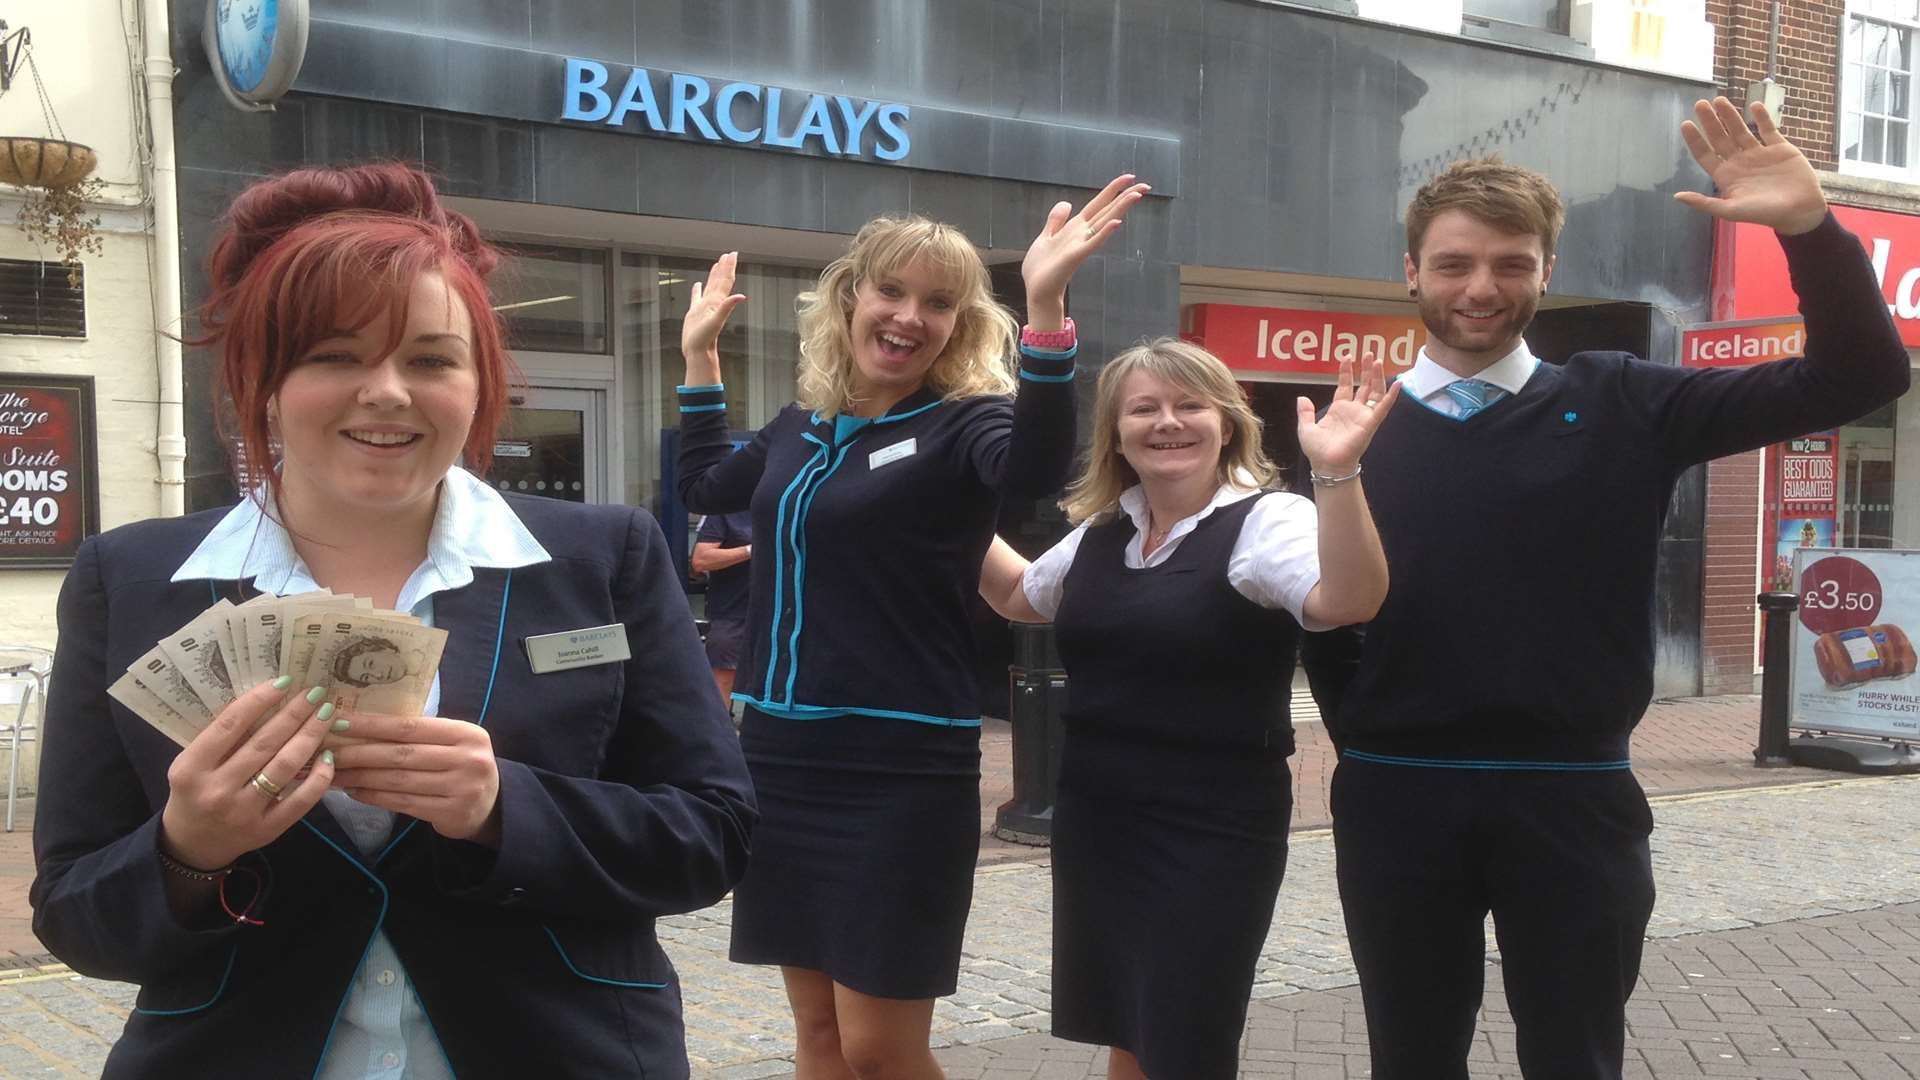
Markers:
(553, 444)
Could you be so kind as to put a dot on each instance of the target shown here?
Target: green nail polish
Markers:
(314, 695)
(326, 757)
(342, 724)
(326, 712)
(283, 682)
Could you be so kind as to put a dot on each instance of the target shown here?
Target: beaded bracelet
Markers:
(175, 866)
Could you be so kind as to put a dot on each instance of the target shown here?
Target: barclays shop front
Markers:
(618, 146)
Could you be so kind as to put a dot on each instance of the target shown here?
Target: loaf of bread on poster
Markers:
(1862, 654)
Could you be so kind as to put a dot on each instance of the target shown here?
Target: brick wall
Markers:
(1808, 70)
(1729, 577)
(1809, 53)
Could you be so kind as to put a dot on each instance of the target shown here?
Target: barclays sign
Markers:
(740, 113)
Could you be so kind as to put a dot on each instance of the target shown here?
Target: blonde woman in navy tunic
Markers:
(873, 503)
(1178, 603)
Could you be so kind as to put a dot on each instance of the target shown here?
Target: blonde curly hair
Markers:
(978, 358)
(1096, 492)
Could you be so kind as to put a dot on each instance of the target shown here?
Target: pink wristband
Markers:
(1051, 341)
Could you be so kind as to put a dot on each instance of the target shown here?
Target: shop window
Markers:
(1876, 88)
(1866, 491)
(554, 298)
(1547, 15)
(42, 298)
(758, 353)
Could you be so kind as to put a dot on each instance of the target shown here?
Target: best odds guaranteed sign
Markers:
(49, 497)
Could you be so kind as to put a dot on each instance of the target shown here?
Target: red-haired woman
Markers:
(470, 892)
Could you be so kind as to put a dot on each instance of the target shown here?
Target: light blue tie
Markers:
(1472, 395)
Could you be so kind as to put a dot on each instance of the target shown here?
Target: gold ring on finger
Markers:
(1093, 231)
(264, 785)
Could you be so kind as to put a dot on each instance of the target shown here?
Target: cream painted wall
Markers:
(87, 53)
(118, 353)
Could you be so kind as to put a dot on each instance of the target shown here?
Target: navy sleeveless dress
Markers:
(1170, 827)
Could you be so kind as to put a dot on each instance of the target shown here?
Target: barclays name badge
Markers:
(891, 454)
(577, 648)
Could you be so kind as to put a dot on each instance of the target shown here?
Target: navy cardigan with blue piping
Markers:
(868, 537)
(623, 798)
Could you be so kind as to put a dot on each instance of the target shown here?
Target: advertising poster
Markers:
(49, 493)
(1853, 655)
(1804, 484)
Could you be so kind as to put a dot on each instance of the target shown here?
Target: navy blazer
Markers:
(623, 798)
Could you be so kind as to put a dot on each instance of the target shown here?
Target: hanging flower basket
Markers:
(44, 163)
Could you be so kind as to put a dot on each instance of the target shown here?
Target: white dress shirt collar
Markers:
(1133, 502)
(472, 526)
(1510, 373)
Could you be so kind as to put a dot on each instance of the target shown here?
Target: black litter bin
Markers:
(1037, 695)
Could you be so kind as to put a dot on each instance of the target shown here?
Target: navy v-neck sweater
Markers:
(1522, 541)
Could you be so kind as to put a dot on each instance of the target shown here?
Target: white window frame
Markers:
(1870, 11)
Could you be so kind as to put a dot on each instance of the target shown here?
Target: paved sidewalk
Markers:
(1833, 998)
(1728, 861)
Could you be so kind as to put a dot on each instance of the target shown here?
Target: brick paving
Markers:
(1731, 862)
(1830, 998)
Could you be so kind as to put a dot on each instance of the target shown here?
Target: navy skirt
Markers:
(1167, 861)
(863, 859)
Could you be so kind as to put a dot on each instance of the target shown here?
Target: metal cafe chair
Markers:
(23, 679)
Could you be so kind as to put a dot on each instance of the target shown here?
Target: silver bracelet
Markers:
(1329, 481)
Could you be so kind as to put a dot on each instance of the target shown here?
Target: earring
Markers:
(1411, 291)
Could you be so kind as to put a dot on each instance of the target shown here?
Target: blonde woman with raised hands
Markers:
(873, 502)
(1179, 601)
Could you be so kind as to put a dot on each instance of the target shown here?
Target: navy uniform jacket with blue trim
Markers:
(862, 574)
(623, 798)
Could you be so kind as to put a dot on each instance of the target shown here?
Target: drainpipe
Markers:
(1773, 43)
(171, 445)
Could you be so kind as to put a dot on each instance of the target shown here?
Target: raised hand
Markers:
(707, 313)
(1333, 443)
(1064, 243)
(1762, 179)
(438, 770)
(238, 785)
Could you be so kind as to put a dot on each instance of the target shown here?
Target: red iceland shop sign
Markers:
(1291, 341)
(1801, 475)
(1750, 270)
(49, 491)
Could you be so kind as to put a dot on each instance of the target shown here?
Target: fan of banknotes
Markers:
(369, 660)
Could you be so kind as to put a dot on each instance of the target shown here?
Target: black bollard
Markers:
(1037, 692)
(1779, 608)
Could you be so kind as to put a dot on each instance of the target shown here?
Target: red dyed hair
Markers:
(305, 255)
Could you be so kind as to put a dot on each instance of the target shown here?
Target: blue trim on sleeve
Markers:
(699, 389)
(1050, 354)
(1031, 377)
(568, 960)
(232, 955)
(722, 407)
(1523, 766)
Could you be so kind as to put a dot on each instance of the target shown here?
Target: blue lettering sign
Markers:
(742, 113)
(637, 96)
(723, 111)
(891, 121)
(689, 93)
(585, 79)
